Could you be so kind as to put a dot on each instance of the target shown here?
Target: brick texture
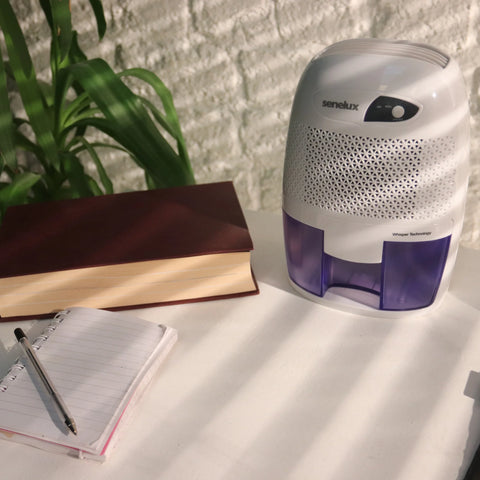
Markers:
(233, 67)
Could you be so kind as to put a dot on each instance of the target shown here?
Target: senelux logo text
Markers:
(342, 105)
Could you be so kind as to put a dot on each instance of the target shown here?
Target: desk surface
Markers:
(274, 386)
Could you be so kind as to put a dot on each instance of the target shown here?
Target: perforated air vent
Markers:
(370, 177)
(381, 47)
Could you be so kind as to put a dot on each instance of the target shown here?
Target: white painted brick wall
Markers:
(233, 66)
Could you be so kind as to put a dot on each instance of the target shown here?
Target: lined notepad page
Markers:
(96, 359)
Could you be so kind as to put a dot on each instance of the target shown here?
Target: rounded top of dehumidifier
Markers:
(399, 48)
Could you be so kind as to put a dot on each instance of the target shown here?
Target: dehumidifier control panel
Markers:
(390, 109)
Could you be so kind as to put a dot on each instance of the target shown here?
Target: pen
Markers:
(23, 340)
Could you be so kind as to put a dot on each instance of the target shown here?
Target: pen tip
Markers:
(72, 427)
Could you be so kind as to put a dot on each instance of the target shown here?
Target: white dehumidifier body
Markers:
(375, 175)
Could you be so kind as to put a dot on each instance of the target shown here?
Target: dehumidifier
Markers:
(375, 175)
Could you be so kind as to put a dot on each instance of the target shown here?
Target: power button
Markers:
(398, 111)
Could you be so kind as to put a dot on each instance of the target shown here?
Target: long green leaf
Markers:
(167, 101)
(99, 16)
(76, 176)
(106, 126)
(62, 85)
(76, 53)
(87, 113)
(7, 149)
(162, 120)
(62, 28)
(161, 90)
(159, 116)
(17, 191)
(72, 148)
(53, 185)
(129, 123)
(71, 111)
(151, 174)
(47, 10)
(97, 8)
(104, 178)
(26, 80)
(157, 166)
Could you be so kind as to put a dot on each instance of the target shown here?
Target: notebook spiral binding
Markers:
(19, 366)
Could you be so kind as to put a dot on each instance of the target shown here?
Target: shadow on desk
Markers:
(470, 469)
(270, 266)
(268, 257)
(328, 407)
(466, 277)
(465, 288)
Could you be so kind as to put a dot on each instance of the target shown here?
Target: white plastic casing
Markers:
(366, 182)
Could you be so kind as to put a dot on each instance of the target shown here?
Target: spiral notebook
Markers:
(100, 363)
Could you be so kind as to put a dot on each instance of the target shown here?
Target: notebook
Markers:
(100, 363)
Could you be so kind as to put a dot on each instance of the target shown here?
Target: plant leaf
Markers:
(47, 10)
(104, 178)
(99, 16)
(94, 186)
(159, 116)
(62, 27)
(22, 142)
(161, 90)
(167, 101)
(71, 111)
(7, 148)
(128, 122)
(17, 191)
(76, 175)
(95, 145)
(76, 53)
(62, 85)
(24, 74)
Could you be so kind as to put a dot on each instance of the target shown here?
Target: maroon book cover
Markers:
(122, 228)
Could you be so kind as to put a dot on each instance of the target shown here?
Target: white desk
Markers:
(274, 386)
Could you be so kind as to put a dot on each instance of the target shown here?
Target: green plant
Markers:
(83, 94)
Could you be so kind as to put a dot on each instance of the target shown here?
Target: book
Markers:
(125, 250)
(101, 363)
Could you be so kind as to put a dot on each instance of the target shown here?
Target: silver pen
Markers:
(40, 369)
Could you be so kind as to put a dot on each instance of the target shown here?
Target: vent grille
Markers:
(369, 177)
(381, 47)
